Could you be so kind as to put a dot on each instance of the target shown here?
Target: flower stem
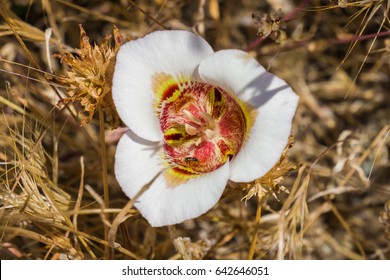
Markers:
(254, 237)
(103, 154)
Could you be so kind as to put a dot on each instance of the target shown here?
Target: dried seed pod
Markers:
(385, 219)
(270, 25)
(89, 76)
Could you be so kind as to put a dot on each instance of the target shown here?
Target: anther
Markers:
(209, 134)
(191, 130)
(191, 117)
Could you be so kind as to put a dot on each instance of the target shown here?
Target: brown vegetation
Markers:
(327, 199)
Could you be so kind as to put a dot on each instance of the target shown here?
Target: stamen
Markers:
(206, 116)
(189, 115)
(198, 142)
(190, 129)
(209, 134)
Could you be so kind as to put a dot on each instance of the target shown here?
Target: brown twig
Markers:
(106, 194)
(254, 237)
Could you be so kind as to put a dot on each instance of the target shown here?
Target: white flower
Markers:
(198, 117)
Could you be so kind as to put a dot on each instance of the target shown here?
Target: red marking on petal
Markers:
(223, 147)
(232, 122)
(205, 152)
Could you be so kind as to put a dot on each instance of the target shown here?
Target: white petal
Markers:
(267, 139)
(164, 205)
(170, 52)
(275, 101)
(238, 72)
(137, 162)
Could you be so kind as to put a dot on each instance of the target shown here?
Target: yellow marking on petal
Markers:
(166, 88)
(210, 100)
(175, 95)
(226, 151)
(215, 103)
(175, 135)
(179, 175)
(250, 114)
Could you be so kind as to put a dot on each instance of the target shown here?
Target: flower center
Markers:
(203, 127)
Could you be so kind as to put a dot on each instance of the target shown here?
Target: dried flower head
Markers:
(271, 183)
(271, 24)
(385, 219)
(197, 118)
(89, 76)
(191, 250)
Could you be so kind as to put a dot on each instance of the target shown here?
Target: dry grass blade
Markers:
(123, 214)
(95, 14)
(292, 215)
(29, 197)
